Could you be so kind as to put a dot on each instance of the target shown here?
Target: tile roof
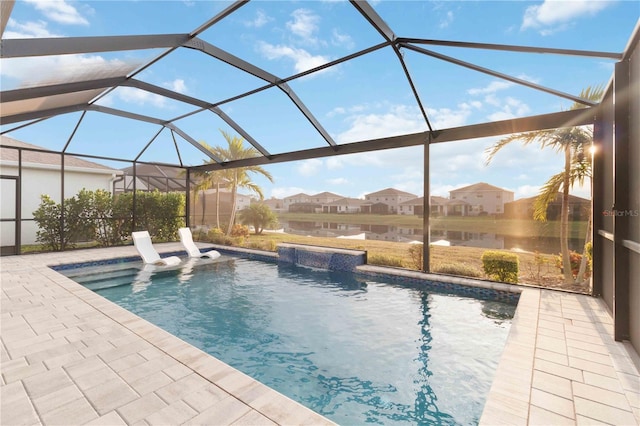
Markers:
(481, 186)
(390, 191)
(37, 155)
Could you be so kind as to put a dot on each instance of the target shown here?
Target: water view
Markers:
(446, 237)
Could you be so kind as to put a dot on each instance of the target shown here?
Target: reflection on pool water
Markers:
(353, 349)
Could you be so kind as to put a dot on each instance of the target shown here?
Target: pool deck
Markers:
(69, 356)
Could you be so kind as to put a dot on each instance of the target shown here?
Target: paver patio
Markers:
(70, 356)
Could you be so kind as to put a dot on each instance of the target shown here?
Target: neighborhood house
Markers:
(474, 200)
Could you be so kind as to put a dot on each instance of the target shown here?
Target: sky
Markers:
(358, 100)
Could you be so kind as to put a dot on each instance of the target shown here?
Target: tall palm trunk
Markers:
(218, 205)
(234, 189)
(583, 261)
(564, 218)
(204, 204)
(232, 217)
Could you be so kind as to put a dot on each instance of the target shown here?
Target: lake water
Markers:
(395, 233)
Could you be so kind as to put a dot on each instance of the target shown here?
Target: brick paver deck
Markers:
(69, 356)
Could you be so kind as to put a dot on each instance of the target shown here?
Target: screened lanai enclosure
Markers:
(139, 102)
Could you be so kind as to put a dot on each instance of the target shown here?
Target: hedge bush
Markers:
(108, 220)
(383, 260)
(455, 268)
(501, 266)
(416, 254)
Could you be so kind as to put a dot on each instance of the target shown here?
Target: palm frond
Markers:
(548, 193)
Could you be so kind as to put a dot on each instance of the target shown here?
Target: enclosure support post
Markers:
(133, 199)
(62, 218)
(621, 228)
(426, 208)
(187, 208)
(597, 201)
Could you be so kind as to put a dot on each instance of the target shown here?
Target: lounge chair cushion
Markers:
(142, 242)
(187, 242)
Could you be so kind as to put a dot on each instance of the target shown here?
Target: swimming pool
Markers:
(355, 349)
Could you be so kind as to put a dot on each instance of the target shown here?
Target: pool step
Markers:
(104, 274)
(106, 279)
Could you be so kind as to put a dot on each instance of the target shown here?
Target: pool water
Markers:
(355, 350)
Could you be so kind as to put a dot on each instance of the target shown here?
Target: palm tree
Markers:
(574, 143)
(208, 180)
(239, 177)
(259, 215)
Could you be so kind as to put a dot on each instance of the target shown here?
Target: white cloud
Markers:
(177, 85)
(445, 117)
(447, 20)
(526, 191)
(510, 109)
(410, 179)
(338, 181)
(28, 29)
(342, 40)
(493, 87)
(59, 11)
(336, 111)
(555, 15)
(287, 191)
(302, 59)
(399, 119)
(260, 20)
(304, 23)
(309, 167)
(133, 95)
(442, 190)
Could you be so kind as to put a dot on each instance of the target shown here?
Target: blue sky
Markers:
(359, 100)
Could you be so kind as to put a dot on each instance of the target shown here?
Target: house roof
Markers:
(300, 194)
(347, 201)
(326, 194)
(414, 201)
(558, 200)
(36, 155)
(390, 192)
(439, 200)
(479, 187)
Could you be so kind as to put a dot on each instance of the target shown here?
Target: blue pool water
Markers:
(353, 349)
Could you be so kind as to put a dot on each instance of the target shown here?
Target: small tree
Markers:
(259, 216)
(56, 232)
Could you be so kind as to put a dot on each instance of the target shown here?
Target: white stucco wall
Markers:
(43, 179)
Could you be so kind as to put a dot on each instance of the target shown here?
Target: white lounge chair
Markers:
(142, 242)
(187, 242)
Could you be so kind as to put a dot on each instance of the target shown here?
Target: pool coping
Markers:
(560, 363)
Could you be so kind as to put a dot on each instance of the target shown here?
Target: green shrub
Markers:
(575, 259)
(217, 236)
(456, 268)
(159, 213)
(240, 231)
(500, 266)
(268, 245)
(383, 260)
(416, 255)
